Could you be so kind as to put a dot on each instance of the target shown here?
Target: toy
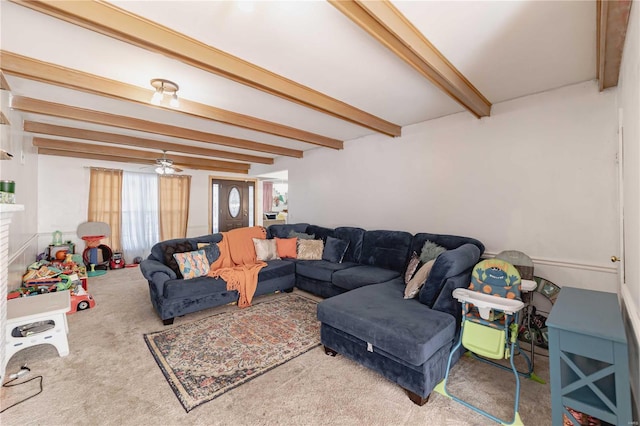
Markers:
(81, 300)
(117, 261)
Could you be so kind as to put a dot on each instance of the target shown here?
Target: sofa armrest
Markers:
(154, 270)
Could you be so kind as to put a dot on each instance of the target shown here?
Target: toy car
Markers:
(80, 302)
(117, 261)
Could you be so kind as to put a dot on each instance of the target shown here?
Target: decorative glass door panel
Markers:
(232, 204)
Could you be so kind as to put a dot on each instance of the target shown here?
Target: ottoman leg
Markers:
(417, 399)
(167, 321)
(329, 351)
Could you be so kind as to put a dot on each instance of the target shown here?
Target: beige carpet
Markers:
(110, 378)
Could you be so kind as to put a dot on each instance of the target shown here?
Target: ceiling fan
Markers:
(164, 165)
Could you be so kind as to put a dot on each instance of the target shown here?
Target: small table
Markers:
(47, 309)
(588, 358)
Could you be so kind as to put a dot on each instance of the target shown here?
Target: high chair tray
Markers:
(481, 300)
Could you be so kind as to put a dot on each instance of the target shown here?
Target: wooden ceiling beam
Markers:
(134, 154)
(114, 22)
(387, 25)
(612, 22)
(91, 135)
(46, 72)
(4, 84)
(60, 153)
(81, 114)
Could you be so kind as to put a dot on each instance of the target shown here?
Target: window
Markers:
(140, 225)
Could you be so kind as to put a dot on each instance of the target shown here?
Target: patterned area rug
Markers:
(206, 358)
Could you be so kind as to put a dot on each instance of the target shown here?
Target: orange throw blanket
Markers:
(237, 264)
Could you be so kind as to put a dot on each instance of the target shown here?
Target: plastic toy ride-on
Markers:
(96, 256)
(117, 261)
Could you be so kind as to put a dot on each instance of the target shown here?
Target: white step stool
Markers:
(49, 307)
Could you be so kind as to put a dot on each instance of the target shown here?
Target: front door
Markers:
(232, 204)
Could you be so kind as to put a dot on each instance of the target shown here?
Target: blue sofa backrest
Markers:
(449, 242)
(283, 230)
(386, 249)
(320, 232)
(355, 237)
(159, 250)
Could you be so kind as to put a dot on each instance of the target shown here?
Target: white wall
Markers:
(63, 191)
(22, 169)
(538, 176)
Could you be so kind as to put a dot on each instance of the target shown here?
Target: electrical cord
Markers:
(23, 371)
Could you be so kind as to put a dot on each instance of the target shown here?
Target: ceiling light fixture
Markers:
(165, 165)
(165, 87)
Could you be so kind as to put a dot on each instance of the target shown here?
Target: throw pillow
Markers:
(418, 280)
(192, 264)
(310, 249)
(170, 249)
(430, 251)
(414, 262)
(301, 235)
(286, 247)
(211, 250)
(334, 250)
(265, 249)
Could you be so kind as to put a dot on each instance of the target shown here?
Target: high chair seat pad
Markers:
(379, 315)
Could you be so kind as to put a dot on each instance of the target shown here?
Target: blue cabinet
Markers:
(588, 358)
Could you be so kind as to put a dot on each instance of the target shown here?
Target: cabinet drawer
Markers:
(590, 346)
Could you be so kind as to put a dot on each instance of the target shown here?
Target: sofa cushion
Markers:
(362, 275)
(334, 250)
(412, 267)
(415, 284)
(301, 235)
(194, 288)
(310, 249)
(379, 315)
(211, 250)
(354, 236)
(320, 270)
(209, 238)
(320, 232)
(276, 269)
(448, 264)
(287, 247)
(265, 249)
(430, 251)
(169, 248)
(386, 249)
(449, 242)
(192, 264)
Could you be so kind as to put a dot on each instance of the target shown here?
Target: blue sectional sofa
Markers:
(173, 296)
(364, 315)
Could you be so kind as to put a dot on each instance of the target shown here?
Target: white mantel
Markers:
(6, 212)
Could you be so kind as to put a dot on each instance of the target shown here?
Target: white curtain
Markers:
(140, 228)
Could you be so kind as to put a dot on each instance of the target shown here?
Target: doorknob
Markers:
(615, 259)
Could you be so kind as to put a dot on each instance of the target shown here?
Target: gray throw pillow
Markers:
(430, 251)
(301, 235)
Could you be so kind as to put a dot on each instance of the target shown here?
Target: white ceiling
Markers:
(507, 49)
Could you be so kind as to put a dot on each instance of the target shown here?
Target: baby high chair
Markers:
(490, 309)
